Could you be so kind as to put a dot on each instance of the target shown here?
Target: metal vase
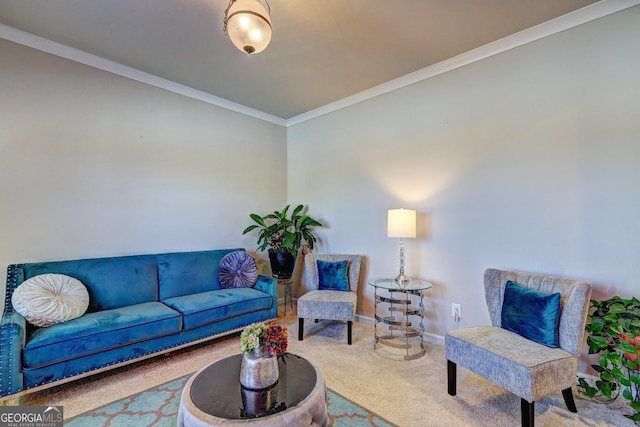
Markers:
(258, 369)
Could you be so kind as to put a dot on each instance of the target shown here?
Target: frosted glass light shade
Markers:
(401, 223)
(249, 26)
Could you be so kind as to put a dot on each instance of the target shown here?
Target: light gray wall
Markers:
(92, 164)
(527, 160)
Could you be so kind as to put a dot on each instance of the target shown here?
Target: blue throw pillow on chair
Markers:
(531, 314)
(333, 275)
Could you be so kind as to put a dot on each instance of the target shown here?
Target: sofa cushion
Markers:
(215, 306)
(100, 331)
(187, 273)
(237, 270)
(111, 282)
(47, 299)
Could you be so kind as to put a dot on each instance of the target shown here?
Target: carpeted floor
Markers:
(406, 393)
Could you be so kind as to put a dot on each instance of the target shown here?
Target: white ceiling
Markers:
(322, 51)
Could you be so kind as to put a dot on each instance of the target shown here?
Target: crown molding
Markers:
(554, 26)
(562, 23)
(76, 55)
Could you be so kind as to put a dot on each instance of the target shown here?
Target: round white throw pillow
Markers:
(48, 299)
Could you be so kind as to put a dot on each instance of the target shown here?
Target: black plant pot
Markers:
(282, 264)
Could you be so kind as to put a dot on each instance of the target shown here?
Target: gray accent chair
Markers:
(525, 368)
(328, 304)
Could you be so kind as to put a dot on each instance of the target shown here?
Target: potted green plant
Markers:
(613, 329)
(283, 234)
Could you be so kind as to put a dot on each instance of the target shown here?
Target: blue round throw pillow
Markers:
(237, 270)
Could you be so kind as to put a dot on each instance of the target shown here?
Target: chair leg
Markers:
(451, 378)
(527, 409)
(300, 328)
(568, 399)
(349, 331)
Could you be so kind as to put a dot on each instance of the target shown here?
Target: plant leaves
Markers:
(296, 211)
(249, 228)
(604, 387)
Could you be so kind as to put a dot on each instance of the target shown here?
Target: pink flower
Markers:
(634, 341)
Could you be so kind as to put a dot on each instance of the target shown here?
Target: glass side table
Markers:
(395, 328)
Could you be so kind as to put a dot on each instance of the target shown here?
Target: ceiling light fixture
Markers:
(248, 25)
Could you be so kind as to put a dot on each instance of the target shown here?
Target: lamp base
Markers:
(402, 280)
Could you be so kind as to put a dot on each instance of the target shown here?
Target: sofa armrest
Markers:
(13, 333)
(269, 285)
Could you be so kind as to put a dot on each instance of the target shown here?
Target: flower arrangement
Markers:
(272, 337)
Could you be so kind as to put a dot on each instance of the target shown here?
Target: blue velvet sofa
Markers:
(139, 306)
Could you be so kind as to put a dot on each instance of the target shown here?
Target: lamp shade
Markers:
(401, 223)
(248, 25)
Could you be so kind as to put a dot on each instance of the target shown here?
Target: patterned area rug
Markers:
(158, 406)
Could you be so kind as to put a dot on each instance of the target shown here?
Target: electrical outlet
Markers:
(456, 311)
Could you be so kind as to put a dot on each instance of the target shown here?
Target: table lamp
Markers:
(401, 223)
